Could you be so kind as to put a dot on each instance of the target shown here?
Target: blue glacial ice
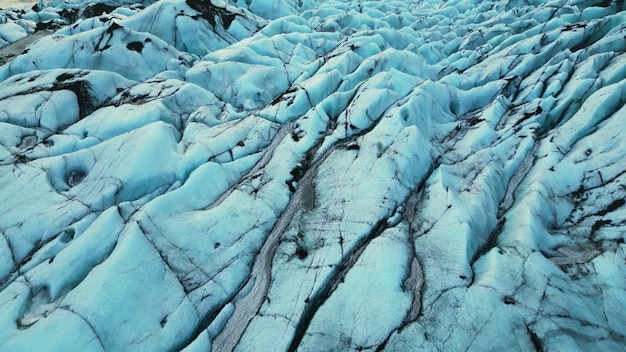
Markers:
(307, 175)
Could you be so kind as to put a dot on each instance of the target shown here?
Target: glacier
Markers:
(308, 175)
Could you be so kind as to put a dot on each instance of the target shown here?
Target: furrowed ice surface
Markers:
(313, 175)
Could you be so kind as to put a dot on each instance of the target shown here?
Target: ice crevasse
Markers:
(306, 175)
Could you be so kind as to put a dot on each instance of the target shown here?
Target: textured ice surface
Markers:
(313, 175)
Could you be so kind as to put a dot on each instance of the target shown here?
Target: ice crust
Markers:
(313, 175)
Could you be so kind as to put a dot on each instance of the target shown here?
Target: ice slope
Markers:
(313, 175)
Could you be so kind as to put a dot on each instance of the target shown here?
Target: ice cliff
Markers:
(282, 175)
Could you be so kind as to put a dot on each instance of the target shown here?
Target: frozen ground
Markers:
(313, 175)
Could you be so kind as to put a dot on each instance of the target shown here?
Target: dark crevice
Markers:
(82, 90)
(332, 282)
(591, 38)
(211, 12)
(492, 241)
(97, 9)
(599, 224)
(537, 344)
(611, 207)
(135, 46)
(70, 81)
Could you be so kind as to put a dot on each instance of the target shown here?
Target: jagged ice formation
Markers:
(310, 175)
